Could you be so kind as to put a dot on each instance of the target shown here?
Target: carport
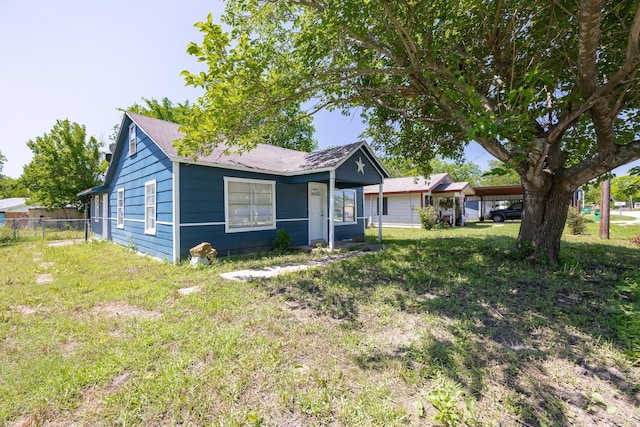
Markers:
(486, 198)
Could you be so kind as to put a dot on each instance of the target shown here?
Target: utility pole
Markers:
(605, 200)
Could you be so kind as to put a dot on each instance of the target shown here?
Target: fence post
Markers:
(42, 219)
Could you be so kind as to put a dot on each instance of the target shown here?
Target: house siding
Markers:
(96, 216)
(132, 172)
(202, 212)
(399, 210)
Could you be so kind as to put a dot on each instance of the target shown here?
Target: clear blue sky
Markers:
(82, 60)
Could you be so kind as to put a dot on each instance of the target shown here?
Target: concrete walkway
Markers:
(275, 270)
(614, 217)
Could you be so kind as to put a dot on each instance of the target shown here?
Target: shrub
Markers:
(282, 242)
(576, 222)
(428, 217)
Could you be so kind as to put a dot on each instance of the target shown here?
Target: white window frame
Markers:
(96, 207)
(150, 211)
(132, 139)
(340, 220)
(252, 211)
(120, 208)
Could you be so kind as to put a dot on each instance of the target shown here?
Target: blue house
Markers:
(163, 204)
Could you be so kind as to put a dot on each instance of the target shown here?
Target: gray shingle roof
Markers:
(264, 157)
(409, 184)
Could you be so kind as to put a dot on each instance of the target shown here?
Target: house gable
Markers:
(131, 172)
(359, 168)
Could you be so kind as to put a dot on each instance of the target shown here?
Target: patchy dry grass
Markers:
(452, 327)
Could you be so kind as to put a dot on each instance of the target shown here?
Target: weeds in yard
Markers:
(451, 326)
(448, 397)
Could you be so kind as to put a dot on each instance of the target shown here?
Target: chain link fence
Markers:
(21, 229)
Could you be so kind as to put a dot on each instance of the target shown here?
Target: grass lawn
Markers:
(451, 327)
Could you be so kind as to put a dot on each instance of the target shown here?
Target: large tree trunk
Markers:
(543, 218)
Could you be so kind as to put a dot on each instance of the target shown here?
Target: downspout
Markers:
(332, 203)
(380, 197)
(176, 211)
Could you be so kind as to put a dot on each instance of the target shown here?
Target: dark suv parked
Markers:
(512, 212)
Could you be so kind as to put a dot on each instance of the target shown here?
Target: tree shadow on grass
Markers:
(506, 315)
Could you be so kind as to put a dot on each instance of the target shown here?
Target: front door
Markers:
(105, 216)
(317, 208)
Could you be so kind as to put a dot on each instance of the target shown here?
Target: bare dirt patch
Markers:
(64, 242)
(43, 279)
(122, 309)
(25, 310)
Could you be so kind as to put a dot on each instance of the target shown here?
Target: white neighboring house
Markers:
(401, 197)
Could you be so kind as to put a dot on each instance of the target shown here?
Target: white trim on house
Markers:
(120, 208)
(150, 205)
(228, 218)
(133, 148)
(175, 183)
(355, 207)
(199, 224)
(96, 207)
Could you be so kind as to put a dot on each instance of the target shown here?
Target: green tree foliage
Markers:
(549, 88)
(3, 159)
(459, 171)
(499, 173)
(296, 133)
(9, 187)
(164, 109)
(64, 163)
(626, 189)
(591, 192)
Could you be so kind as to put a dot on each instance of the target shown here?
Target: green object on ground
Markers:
(597, 214)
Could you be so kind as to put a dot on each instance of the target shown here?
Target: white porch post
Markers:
(453, 215)
(176, 212)
(380, 204)
(332, 206)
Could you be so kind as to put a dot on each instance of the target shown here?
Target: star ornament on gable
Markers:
(360, 165)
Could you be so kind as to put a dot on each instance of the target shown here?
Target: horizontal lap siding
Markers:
(96, 217)
(149, 163)
(400, 211)
(202, 211)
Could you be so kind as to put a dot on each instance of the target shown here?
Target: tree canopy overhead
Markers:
(549, 88)
(296, 133)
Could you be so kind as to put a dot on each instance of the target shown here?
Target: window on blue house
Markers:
(96, 207)
(132, 139)
(150, 207)
(344, 206)
(120, 208)
(249, 204)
